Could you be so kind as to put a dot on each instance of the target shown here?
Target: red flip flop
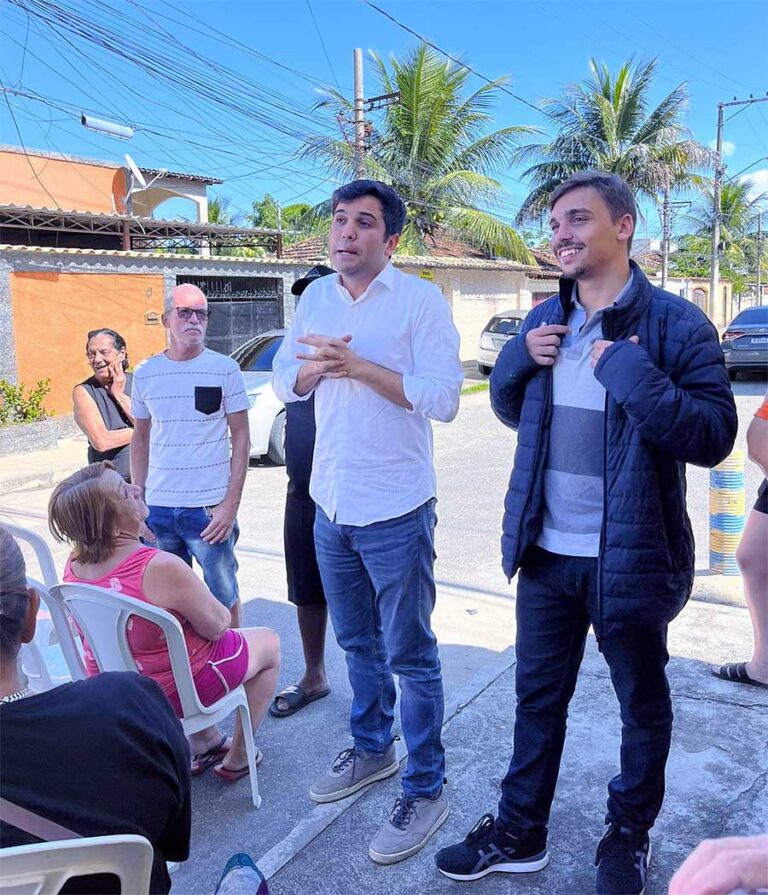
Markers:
(232, 775)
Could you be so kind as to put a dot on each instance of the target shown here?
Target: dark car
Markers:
(745, 342)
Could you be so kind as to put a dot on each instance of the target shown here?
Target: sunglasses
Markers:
(186, 313)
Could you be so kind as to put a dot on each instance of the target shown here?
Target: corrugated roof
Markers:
(114, 216)
(75, 159)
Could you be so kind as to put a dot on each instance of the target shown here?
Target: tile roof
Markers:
(446, 253)
(269, 260)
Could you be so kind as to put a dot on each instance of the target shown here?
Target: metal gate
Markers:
(241, 307)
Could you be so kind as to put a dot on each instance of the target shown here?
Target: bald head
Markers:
(187, 295)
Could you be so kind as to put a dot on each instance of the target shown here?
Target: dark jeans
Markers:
(556, 601)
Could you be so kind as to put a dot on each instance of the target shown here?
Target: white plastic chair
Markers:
(43, 868)
(103, 615)
(33, 661)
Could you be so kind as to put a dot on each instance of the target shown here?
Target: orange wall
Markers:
(53, 312)
(72, 186)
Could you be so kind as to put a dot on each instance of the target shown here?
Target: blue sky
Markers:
(283, 51)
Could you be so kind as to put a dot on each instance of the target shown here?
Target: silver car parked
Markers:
(498, 331)
(267, 414)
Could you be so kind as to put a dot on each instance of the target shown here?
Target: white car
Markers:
(498, 331)
(266, 416)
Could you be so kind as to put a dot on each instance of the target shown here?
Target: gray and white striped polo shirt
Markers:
(573, 471)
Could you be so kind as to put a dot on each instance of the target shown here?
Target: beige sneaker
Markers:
(411, 825)
(350, 772)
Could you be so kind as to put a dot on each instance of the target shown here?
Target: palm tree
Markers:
(435, 149)
(604, 123)
(219, 213)
(738, 213)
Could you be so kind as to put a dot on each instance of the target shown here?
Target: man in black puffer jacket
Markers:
(613, 386)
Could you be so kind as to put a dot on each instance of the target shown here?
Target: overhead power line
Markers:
(458, 61)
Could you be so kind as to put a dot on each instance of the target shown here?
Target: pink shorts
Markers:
(224, 670)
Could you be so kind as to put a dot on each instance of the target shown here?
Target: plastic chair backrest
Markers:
(59, 616)
(43, 868)
(42, 551)
(103, 616)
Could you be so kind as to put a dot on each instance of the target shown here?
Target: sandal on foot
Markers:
(296, 697)
(737, 673)
(232, 775)
(204, 760)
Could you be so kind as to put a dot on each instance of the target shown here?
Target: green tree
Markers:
(435, 148)
(738, 214)
(264, 213)
(738, 236)
(219, 212)
(605, 123)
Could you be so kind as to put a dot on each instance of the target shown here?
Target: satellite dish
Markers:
(134, 169)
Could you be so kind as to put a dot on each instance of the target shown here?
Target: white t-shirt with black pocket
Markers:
(189, 449)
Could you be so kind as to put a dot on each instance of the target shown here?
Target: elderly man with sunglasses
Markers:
(187, 403)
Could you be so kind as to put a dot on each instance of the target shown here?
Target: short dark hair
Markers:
(392, 206)
(614, 191)
(13, 594)
(117, 339)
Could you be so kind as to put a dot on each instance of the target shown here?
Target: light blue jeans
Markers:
(177, 530)
(380, 585)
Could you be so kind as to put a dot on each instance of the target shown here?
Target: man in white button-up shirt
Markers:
(380, 353)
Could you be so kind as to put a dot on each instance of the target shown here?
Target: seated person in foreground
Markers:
(99, 757)
(102, 516)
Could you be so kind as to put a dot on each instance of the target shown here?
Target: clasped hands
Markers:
(332, 357)
(543, 343)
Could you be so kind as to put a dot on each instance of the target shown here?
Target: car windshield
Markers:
(257, 356)
(507, 326)
(752, 316)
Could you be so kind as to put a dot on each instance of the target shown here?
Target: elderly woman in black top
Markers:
(102, 404)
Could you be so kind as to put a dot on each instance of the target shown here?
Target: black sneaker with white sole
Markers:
(622, 861)
(490, 848)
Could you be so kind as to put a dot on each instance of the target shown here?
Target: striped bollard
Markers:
(726, 513)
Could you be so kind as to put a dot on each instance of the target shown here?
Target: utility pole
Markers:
(759, 257)
(714, 283)
(714, 280)
(359, 115)
(666, 226)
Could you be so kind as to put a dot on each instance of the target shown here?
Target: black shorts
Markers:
(304, 585)
(761, 504)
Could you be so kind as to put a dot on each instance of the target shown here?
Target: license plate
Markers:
(500, 343)
(760, 340)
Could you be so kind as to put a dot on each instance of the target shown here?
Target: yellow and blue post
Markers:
(726, 513)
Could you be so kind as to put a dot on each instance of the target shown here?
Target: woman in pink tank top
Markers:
(102, 517)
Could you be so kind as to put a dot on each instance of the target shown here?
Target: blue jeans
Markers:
(556, 601)
(380, 586)
(177, 530)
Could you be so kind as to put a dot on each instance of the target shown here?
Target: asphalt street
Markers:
(307, 849)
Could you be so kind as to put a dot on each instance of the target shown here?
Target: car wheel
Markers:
(733, 374)
(276, 449)
(484, 369)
